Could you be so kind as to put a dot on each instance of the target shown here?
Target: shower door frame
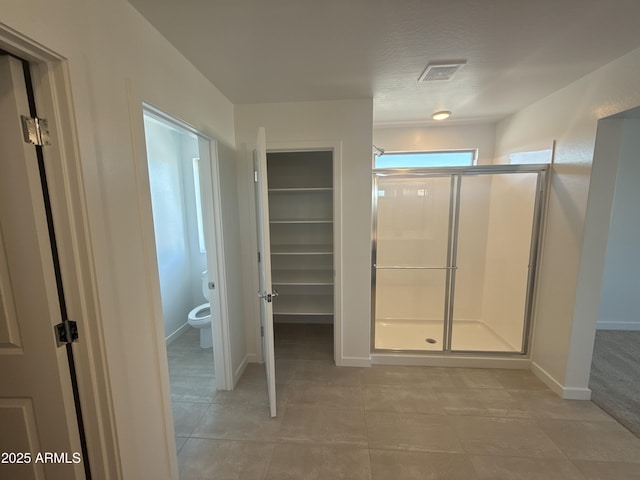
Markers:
(456, 174)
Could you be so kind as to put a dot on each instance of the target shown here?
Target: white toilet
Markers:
(200, 317)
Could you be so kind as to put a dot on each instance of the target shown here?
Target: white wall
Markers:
(115, 61)
(197, 259)
(170, 153)
(619, 306)
(169, 222)
(572, 258)
(349, 124)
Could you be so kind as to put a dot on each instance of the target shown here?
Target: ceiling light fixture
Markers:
(441, 115)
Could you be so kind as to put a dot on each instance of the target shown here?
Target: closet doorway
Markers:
(454, 258)
(302, 224)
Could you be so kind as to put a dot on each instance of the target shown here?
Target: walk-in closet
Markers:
(300, 188)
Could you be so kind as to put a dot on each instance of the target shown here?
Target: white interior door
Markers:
(36, 400)
(264, 265)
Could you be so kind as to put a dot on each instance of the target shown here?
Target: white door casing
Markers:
(265, 292)
(214, 241)
(36, 399)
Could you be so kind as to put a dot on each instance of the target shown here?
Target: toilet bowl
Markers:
(200, 317)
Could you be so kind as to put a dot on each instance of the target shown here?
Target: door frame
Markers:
(220, 318)
(335, 147)
(69, 177)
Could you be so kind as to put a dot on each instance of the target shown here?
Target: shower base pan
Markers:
(426, 336)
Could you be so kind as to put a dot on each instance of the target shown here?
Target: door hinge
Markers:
(258, 257)
(255, 176)
(35, 130)
(66, 332)
(212, 286)
(262, 331)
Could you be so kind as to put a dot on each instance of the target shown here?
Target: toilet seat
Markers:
(200, 316)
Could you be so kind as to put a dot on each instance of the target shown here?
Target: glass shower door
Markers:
(494, 257)
(411, 266)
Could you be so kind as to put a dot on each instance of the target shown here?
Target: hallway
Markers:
(396, 423)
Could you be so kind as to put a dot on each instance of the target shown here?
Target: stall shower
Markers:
(454, 258)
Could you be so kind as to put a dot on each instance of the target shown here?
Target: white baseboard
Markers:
(240, 370)
(568, 393)
(576, 393)
(353, 362)
(177, 333)
(627, 326)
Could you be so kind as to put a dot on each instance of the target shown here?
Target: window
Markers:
(196, 185)
(443, 158)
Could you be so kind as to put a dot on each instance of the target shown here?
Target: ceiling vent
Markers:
(440, 71)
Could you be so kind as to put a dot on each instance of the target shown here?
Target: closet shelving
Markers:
(301, 224)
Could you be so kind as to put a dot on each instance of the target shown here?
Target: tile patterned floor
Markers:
(382, 423)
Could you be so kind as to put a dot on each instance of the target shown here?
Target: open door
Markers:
(36, 397)
(265, 292)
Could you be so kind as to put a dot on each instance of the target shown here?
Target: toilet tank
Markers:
(205, 285)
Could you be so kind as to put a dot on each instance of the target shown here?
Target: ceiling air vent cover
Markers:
(439, 71)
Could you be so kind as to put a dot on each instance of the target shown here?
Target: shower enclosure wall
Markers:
(454, 254)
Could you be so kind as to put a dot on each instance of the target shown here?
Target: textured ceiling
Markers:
(517, 51)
